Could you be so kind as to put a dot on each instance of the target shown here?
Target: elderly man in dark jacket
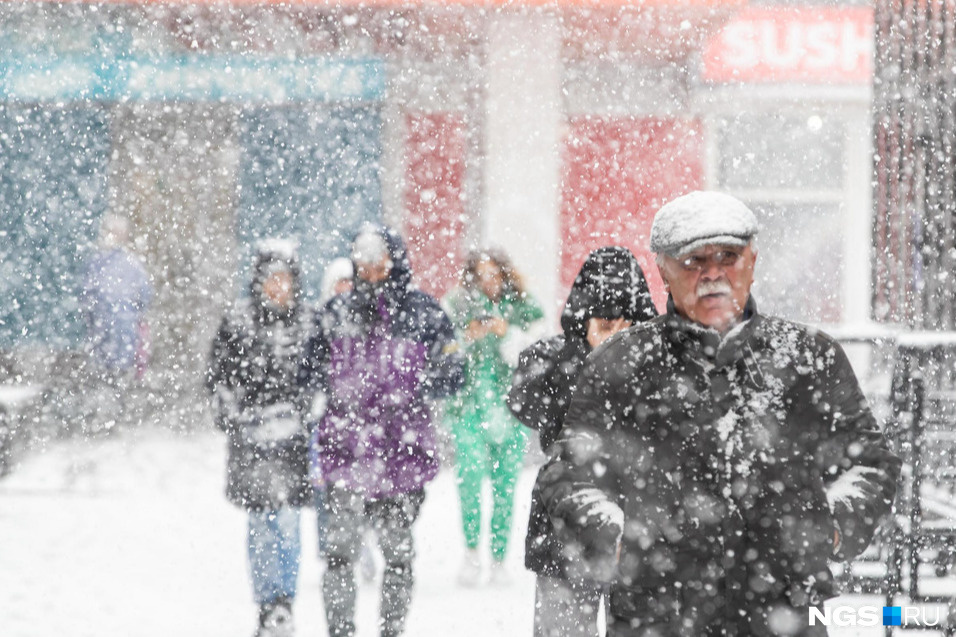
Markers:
(378, 354)
(609, 294)
(714, 459)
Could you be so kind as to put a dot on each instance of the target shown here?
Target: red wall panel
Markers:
(618, 172)
(434, 180)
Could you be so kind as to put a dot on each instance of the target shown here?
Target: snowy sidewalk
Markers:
(132, 537)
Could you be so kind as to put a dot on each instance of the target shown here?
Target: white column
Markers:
(857, 235)
(524, 119)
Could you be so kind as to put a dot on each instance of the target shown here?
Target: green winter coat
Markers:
(480, 405)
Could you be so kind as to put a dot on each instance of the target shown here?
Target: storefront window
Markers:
(800, 260)
(791, 169)
(310, 173)
(53, 189)
(762, 151)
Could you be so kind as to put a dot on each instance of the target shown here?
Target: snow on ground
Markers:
(131, 536)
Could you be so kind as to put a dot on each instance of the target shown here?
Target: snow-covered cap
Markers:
(279, 247)
(701, 218)
(276, 254)
(369, 247)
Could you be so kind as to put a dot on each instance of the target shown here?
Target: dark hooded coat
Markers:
(253, 375)
(721, 465)
(380, 353)
(609, 285)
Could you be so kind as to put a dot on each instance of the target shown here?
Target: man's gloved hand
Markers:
(595, 556)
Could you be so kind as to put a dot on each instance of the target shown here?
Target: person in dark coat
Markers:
(379, 354)
(714, 459)
(609, 294)
(254, 377)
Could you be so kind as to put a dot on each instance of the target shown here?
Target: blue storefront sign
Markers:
(309, 130)
(191, 77)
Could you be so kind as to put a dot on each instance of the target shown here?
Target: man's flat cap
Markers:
(701, 218)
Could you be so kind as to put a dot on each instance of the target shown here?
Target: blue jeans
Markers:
(274, 549)
(322, 518)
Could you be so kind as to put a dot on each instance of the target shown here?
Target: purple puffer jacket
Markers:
(380, 355)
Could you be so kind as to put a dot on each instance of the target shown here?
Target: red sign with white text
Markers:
(806, 44)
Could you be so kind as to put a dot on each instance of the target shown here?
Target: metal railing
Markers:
(913, 559)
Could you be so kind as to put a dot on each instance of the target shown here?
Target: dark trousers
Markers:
(563, 609)
(392, 520)
(679, 614)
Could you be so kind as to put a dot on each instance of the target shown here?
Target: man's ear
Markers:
(660, 270)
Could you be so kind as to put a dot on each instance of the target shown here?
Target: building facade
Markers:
(546, 128)
(915, 178)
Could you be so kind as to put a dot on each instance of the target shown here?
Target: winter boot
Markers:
(275, 619)
(500, 575)
(470, 573)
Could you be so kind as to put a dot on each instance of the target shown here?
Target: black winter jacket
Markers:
(610, 284)
(722, 466)
(260, 403)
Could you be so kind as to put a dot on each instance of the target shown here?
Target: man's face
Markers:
(710, 285)
(601, 329)
(374, 272)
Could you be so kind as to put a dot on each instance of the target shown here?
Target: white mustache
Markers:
(713, 287)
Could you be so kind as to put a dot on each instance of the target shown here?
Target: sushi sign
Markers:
(870, 616)
(805, 44)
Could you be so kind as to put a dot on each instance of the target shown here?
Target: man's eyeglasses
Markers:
(698, 262)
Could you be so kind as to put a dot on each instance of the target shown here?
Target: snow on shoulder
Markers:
(701, 218)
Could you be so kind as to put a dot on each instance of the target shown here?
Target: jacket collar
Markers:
(707, 342)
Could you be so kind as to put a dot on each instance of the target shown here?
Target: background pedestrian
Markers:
(609, 294)
(254, 379)
(115, 296)
(488, 308)
(380, 354)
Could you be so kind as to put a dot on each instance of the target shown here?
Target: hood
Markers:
(366, 298)
(610, 285)
(400, 276)
(337, 269)
(270, 255)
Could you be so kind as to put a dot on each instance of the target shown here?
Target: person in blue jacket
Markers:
(114, 298)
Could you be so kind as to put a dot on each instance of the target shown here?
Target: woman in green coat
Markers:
(492, 314)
